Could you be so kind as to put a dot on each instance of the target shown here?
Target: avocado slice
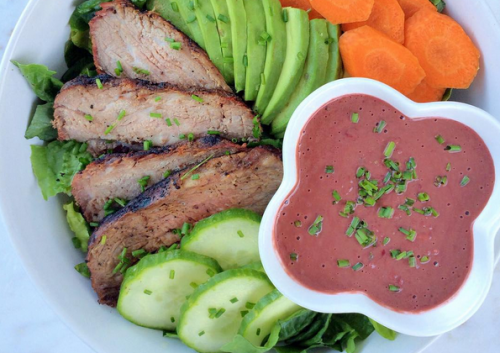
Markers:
(275, 53)
(186, 8)
(224, 27)
(238, 19)
(297, 43)
(208, 26)
(256, 47)
(334, 69)
(313, 75)
(169, 10)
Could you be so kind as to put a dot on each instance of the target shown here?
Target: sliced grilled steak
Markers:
(98, 147)
(133, 111)
(116, 175)
(246, 180)
(143, 44)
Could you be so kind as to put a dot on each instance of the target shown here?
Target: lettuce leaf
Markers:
(78, 225)
(41, 81)
(55, 164)
(383, 331)
(41, 124)
(79, 61)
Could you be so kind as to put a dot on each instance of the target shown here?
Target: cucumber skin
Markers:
(293, 65)
(219, 217)
(315, 70)
(152, 260)
(257, 266)
(164, 9)
(237, 16)
(275, 53)
(212, 282)
(334, 69)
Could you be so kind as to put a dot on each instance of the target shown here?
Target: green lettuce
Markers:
(41, 80)
(55, 164)
(41, 124)
(78, 225)
(79, 61)
(383, 331)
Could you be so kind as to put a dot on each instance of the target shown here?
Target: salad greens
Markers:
(41, 80)
(78, 226)
(41, 124)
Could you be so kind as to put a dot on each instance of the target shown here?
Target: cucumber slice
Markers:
(297, 44)
(224, 27)
(169, 10)
(275, 53)
(257, 325)
(150, 297)
(230, 237)
(334, 69)
(313, 75)
(257, 266)
(213, 313)
(208, 26)
(256, 47)
(237, 16)
(186, 8)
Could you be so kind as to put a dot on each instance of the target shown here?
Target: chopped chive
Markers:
(119, 66)
(172, 274)
(343, 263)
(228, 60)
(176, 122)
(316, 227)
(386, 212)
(147, 145)
(441, 181)
(223, 18)
(172, 319)
(358, 266)
(140, 71)
(243, 313)
(380, 127)
(120, 201)
(386, 240)
(389, 149)
(360, 172)
(300, 56)
(182, 136)
(297, 224)
(174, 6)
(329, 169)
(387, 177)
(89, 117)
(94, 224)
(196, 98)
(401, 255)
(423, 197)
(395, 253)
(336, 196)
(294, 256)
(109, 129)
(439, 139)
(249, 305)
(196, 167)
(175, 45)
(191, 18)
(210, 272)
(212, 312)
(424, 259)
(355, 117)
(157, 99)
(190, 137)
(353, 226)
(258, 332)
(234, 300)
(394, 288)
(210, 18)
(121, 115)
(265, 36)
(98, 83)
(448, 167)
(465, 180)
(170, 40)
(147, 291)
(240, 234)
(262, 79)
(453, 148)
(201, 333)
(155, 115)
(220, 312)
(185, 228)
(103, 239)
(139, 253)
(143, 182)
(195, 177)
(245, 60)
(83, 269)
(412, 261)
(213, 132)
(193, 285)
(329, 40)
(285, 15)
(168, 121)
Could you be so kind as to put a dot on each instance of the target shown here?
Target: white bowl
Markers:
(471, 295)
(38, 229)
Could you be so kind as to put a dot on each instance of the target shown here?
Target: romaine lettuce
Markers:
(78, 225)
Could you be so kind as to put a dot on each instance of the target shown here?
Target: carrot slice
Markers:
(386, 17)
(369, 53)
(425, 93)
(343, 11)
(411, 6)
(302, 4)
(445, 52)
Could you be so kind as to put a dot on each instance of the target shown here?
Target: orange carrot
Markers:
(386, 17)
(424, 93)
(411, 6)
(445, 52)
(343, 11)
(302, 4)
(369, 53)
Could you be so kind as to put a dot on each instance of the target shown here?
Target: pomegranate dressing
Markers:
(384, 205)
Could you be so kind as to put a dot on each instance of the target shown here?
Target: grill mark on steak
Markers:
(116, 175)
(220, 111)
(247, 179)
(120, 32)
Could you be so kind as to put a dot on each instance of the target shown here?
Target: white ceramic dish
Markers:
(37, 228)
(428, 323)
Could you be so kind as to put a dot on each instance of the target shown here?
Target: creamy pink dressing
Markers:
(330, 138)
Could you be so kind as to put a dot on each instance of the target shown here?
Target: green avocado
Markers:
(313, 75)
(224, 27)
(169, 10)
(334, 69)
(275, 53)
(256, 47)
(208, 26)
(238, 19)
(186, 8)
(297, 43)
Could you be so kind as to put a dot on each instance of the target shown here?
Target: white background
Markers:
(28, 325)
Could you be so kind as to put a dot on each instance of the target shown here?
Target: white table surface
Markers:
(28, 325)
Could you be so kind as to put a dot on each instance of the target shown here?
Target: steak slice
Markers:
(143, 44)
(247, 179)
(116, 175)
(188, 111)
